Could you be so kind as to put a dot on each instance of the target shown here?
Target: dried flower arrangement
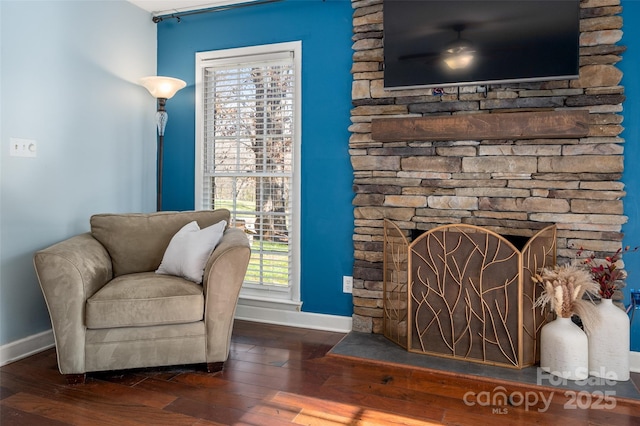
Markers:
(608, 273)
(563, 288)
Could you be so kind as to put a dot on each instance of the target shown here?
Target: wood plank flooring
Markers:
(281, 376)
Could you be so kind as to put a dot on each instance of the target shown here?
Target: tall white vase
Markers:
(564, 350)
(609, 343)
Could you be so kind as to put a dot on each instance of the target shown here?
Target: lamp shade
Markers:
(162, 87)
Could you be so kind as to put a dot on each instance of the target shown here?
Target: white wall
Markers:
(69, 72)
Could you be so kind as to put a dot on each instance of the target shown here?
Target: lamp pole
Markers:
(161, 121)
(161, 88)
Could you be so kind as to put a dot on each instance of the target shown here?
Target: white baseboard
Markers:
(294, 319)
(634, 361)
(23, 348)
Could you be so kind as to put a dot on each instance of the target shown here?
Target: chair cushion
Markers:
(136, 242)
(145, 299)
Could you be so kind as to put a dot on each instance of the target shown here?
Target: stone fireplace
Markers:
(512, 158)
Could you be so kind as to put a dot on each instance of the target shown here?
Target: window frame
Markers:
(267, 297)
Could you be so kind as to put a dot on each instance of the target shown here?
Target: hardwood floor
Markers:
(280, 376)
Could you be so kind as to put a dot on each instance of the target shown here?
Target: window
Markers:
(248, 144)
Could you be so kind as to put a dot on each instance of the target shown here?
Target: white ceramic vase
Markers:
(609, 343)
(564, 350)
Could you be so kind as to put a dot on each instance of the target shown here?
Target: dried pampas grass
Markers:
(563, 288)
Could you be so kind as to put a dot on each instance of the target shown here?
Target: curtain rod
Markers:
(179, 15)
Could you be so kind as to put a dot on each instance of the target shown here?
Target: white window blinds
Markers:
(247, 159)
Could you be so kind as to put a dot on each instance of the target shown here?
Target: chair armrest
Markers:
(223, 278)
(69, 273)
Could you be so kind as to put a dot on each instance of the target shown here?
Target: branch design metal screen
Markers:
(462, 291)
(248, 156)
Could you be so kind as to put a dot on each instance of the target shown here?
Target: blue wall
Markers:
(630, 65)
(325, 28)
(327, 224)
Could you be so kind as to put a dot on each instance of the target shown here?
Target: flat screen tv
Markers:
(466, 42)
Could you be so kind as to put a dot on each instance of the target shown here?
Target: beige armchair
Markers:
(111, 310)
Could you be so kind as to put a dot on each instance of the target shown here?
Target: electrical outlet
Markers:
(22, 147)
(347, 284)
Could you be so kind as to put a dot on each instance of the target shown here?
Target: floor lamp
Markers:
(161, 88)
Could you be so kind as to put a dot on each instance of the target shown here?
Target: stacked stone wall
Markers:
(513, 187)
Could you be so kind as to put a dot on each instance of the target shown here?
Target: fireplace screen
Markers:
(467, 294)
(396, 261)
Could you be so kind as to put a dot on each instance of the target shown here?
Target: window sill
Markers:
(278, 304)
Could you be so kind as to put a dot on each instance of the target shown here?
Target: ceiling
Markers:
(164, 7)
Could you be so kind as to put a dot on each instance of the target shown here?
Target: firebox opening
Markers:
(518, 241)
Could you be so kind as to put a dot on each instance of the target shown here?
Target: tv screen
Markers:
(463, 42)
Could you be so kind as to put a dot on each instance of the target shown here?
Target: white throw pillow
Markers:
(189, 250)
